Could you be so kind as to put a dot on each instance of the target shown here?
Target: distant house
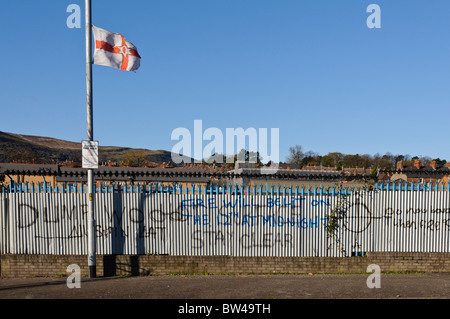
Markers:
(59, 175)
(28, 173)
(419, 174)
(248, 175)
(244, 173)
(444, 182)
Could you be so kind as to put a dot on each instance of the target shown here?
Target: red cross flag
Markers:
(111, 49)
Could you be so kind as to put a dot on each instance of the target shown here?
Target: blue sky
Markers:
(311, 68)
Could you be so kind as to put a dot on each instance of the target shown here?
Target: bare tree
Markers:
(295, 155)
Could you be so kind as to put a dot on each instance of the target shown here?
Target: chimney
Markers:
(400, 165)
(417, 164)
(433, 164)
(447, 164)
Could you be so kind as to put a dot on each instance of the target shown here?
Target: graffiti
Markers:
(224, 224)
(273, 220)
(207, 238)
(430, 224)
(244, 202)
(360, 215)
(356, 217)
(418, 218)
(27, 215)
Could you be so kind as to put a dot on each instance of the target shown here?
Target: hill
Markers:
(45, 150)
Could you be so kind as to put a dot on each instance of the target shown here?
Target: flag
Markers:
(111, 49)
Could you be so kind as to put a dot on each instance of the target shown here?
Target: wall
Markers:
(282, 224)
(15, 266)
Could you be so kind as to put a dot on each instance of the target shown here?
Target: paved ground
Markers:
(273, 296)
(394, 286)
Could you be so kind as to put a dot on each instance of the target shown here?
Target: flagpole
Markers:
(90, 137)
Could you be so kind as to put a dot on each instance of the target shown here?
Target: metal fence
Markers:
(231, 221)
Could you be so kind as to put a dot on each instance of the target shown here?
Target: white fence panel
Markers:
(271, 224)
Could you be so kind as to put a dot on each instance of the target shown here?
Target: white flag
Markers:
(111, 49)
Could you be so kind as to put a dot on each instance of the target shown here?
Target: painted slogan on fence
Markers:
(225, 224)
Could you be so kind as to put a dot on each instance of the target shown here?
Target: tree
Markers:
(328, 160)
(216, 158)
(426, 160)
(135, 158)
(295, 156)
(247, 156)
(439, 163)
(336, 159)
(311, 157)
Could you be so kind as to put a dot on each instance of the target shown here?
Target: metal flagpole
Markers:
(90, 137)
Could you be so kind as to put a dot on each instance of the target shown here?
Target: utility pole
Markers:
(90, 138)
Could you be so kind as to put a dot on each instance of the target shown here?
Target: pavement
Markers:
(435, 286)
(179, 292)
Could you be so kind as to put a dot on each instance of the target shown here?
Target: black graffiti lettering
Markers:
(35, 215)
(114, 231)
(410, 224)
(100, 232)
(208, 238)
(77, 231)
(140, 215)
(148, 233)
(404, 224)
(442, 211)
(84, 211)
(447, 223)
(388, 212)
(177, 215)
(120, 232)
(267, 240)
(152, 233)
(437, 225)
(157, 215)
(416, 211)
(115, 216)
(358, 219)
(66, 213)
(432, 225)
(287, 240)
(219, 237)
(215, 237)
(422, 224)
(46, 217)
(246, 241)
(197, 239)
(73, 213)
